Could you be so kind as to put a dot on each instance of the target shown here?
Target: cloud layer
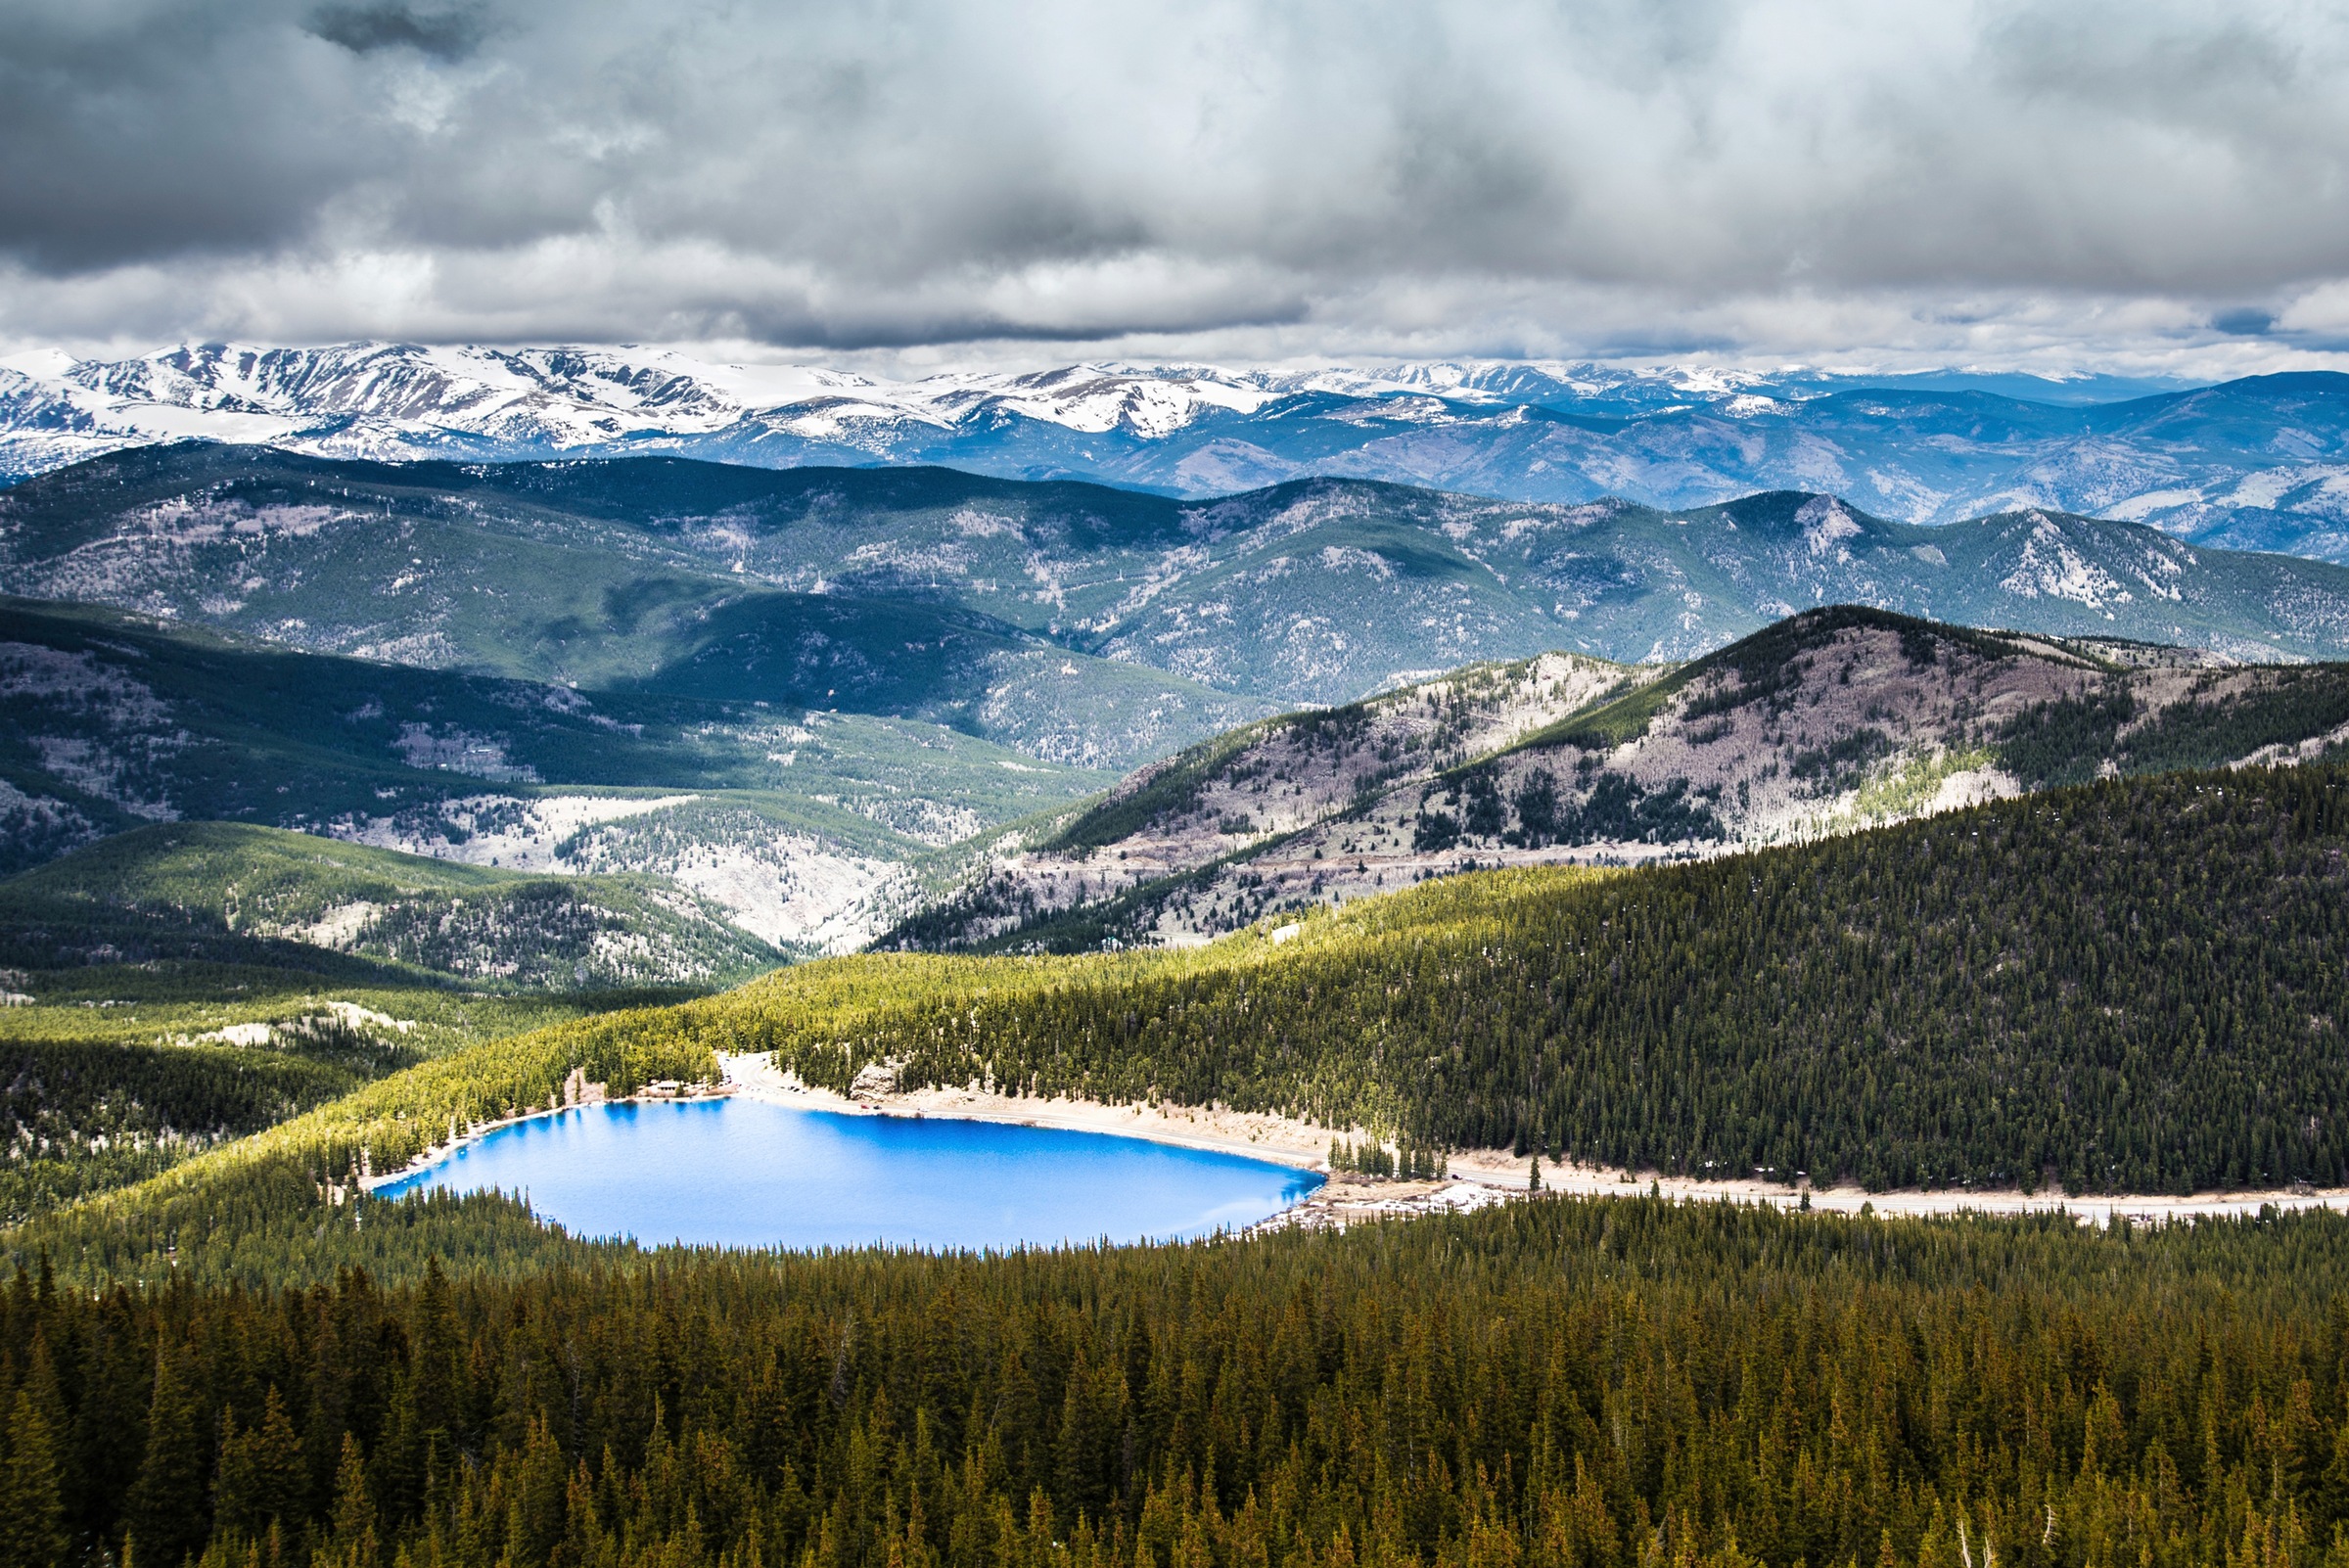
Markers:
(2121, 182)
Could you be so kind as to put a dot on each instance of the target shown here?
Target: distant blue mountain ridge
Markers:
(2260, 463)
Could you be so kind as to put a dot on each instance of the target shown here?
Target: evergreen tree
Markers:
(1582, 1383)
(49, 1410)
(261, 1476)
(351, 1541)
(32, 1515)
(167, 1512)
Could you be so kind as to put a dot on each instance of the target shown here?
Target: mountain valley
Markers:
(1077, 623)
(804, 827)
(355, 764)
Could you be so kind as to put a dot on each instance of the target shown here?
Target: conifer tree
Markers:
(351, 1541)
(261, 1478)
(166, 1509)
(32, 1530)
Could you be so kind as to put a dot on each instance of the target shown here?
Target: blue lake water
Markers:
(745, 1174)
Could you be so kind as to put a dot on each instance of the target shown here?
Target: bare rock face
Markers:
(1830, 722)
(1241, 800)
(874, 1080)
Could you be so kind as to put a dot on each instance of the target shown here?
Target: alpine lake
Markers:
(743, 1172)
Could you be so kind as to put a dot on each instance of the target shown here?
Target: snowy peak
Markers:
(548, 394)
(2261, 463)
(1094, 400)
(405, 399)
(402, 399)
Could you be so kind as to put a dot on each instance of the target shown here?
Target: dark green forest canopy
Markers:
(2133, 985)
(1584, 1383)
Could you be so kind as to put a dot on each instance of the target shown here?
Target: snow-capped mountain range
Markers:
(2261, 463)
(394, 400)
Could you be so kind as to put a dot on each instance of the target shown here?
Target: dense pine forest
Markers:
(2129, 985)
(2132, 986)
(1587, 1384)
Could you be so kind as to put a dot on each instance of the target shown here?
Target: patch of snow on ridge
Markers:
(2137, 508)
(2160, 565)
(1825, 525)
(2050, 567)
(2268, 489)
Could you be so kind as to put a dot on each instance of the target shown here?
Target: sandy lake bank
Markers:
(1477, 1176)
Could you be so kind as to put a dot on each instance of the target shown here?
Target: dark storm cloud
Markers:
(363, 29)
(133, 132)
(905, 173)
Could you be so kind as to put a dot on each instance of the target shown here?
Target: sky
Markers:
(2138, 187)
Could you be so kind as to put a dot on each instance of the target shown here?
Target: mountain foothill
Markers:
(324, 768)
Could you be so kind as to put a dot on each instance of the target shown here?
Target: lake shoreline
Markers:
(1474, 1177)
(1258, 1135)
(441, 1153)
(717, 1168)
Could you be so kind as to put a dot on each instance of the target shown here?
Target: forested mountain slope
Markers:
(1075, 622)
(185, 891)
(1830, 720)
(898, 595)
(2128, 986)
(1223, 809)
